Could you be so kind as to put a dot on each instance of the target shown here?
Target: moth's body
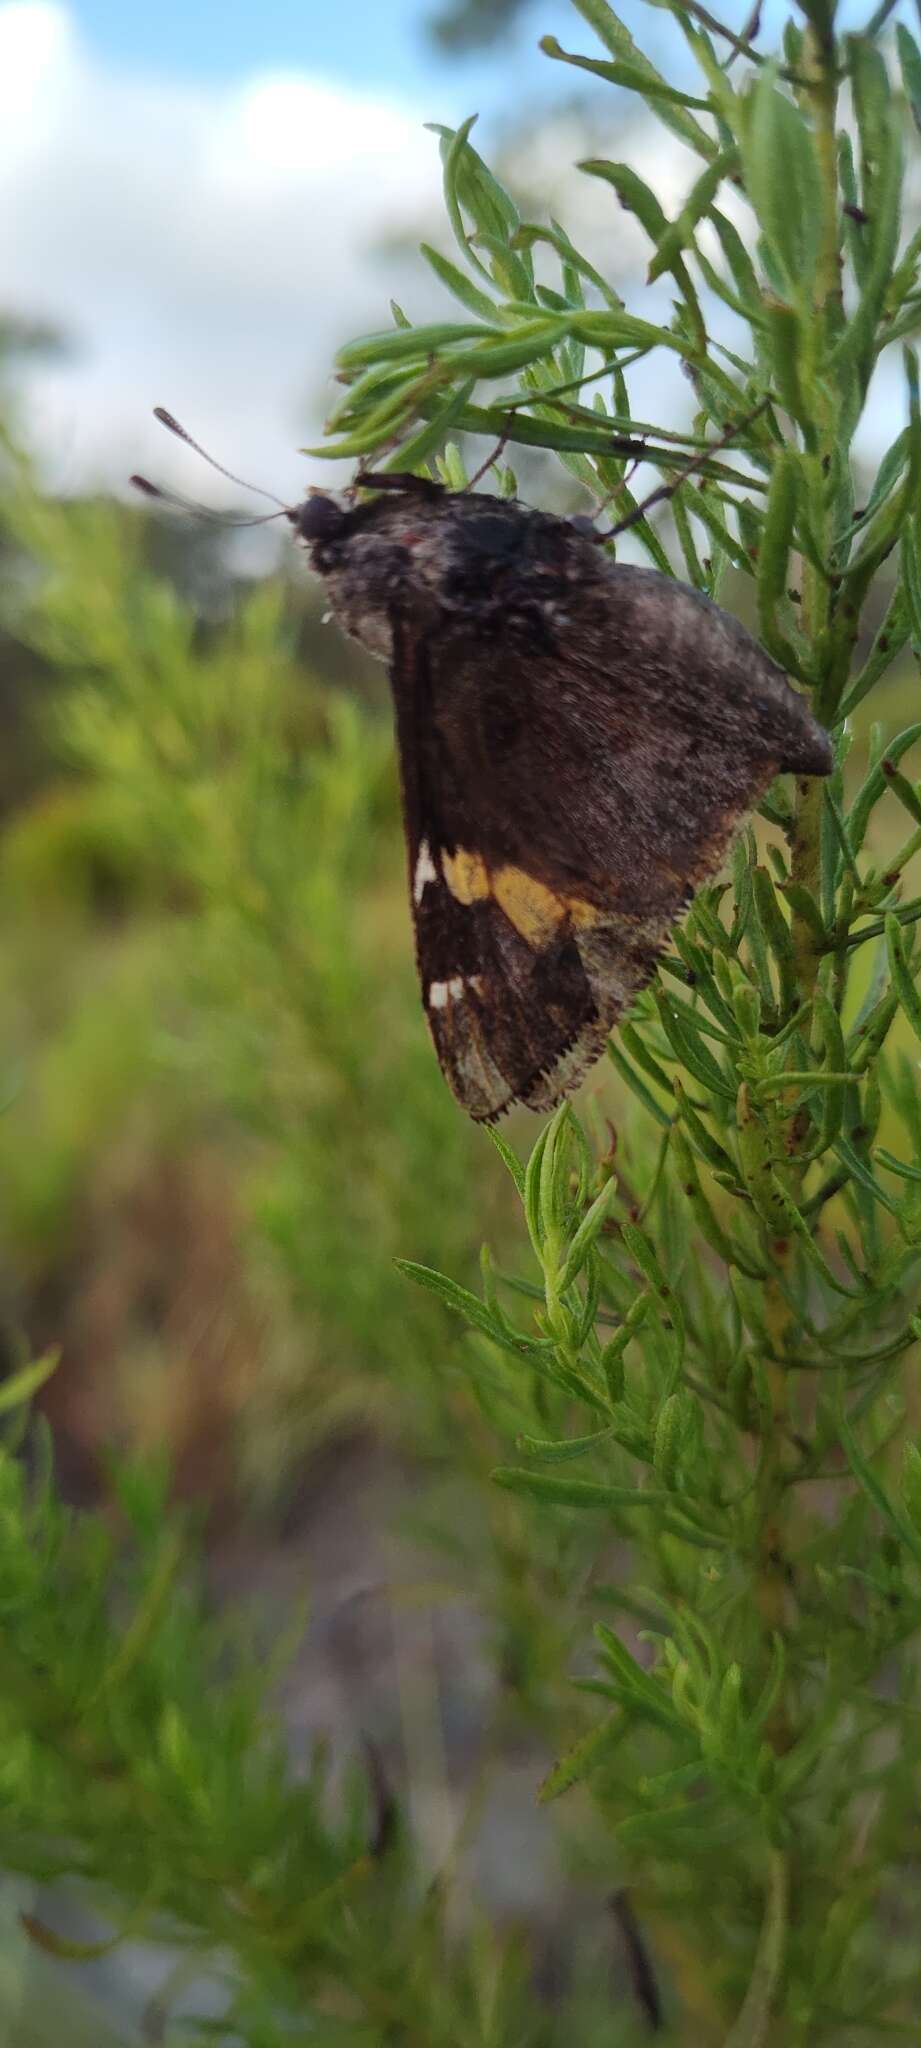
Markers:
(578, 740)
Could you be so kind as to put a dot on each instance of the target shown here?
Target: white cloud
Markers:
(207, 247)
(204, 248)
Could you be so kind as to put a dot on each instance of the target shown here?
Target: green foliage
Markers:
(725, 1327)
(699, 1547)
(139, 1757)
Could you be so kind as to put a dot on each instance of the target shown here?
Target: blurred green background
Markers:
(223, 1117)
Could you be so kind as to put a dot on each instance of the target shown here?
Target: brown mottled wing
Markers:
(567, 783)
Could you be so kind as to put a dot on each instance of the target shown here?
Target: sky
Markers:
(206, 197)
(376, 44)
(202, 240)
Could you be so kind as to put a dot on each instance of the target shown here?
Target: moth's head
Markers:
(374, 552)
(326, 517)
(321, 518)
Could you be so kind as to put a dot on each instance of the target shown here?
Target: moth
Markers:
(578, 740)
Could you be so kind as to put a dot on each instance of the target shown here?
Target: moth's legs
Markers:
(687, 469)
(491, 460)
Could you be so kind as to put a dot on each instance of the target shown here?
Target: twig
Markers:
(639, 1962)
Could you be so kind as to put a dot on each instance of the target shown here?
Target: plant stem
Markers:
(805, 869)
(751, 2029)
(773, 1566)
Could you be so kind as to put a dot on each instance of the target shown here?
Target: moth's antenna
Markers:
(143, 483)
(166, 420)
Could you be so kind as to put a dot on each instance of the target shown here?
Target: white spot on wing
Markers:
(441, 993)
(426, 871)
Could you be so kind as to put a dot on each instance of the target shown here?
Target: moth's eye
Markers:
(492, 535)
(320, 519)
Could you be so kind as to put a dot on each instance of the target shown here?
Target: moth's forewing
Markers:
(578, 741)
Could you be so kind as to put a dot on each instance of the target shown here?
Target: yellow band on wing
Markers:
(535, 911)
(466, 874)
